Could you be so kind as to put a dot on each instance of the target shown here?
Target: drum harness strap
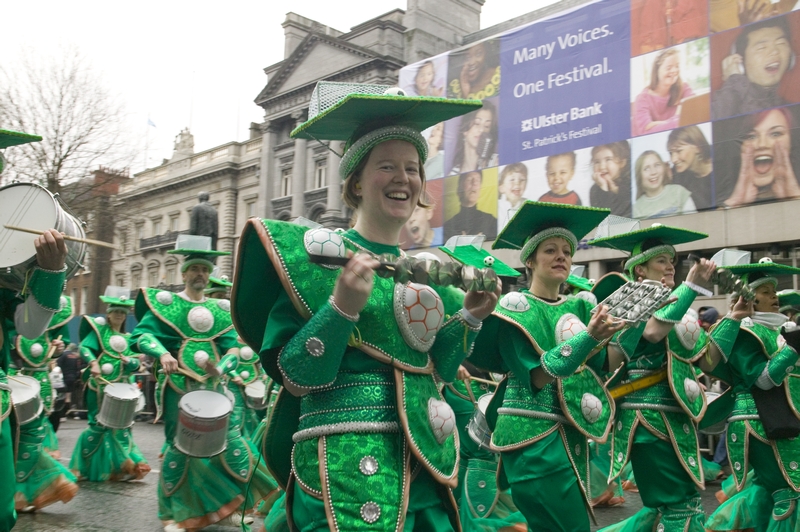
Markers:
(639, 384)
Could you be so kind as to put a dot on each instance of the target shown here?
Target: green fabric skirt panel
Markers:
(50, 439)
(103, 454)
(35, 469)
(8, 516)
(749, 508)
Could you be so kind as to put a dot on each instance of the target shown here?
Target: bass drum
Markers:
(32, 206)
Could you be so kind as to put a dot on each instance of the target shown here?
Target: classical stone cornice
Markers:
(301, 52)
(185, 181)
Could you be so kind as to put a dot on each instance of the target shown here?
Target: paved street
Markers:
(132, 507)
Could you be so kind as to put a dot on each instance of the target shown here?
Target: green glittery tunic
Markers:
(370, 413)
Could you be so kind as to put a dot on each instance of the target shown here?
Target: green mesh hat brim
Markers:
(664, 233)
(789, 299)
(353, 156)
(125, 304)
(579, 282)
(769, 269)
(472, 256)
(190, 252)
(15, 138)
(364, 112)
(218, 283)
(608, 284)
(527, 228)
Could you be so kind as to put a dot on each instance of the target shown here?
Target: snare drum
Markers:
(203, 423)
(25, 397)
(255, 395)
(33, 206)
(716, 428)
(478, 428)
(119, 405)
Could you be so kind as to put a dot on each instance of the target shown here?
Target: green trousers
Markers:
(8, 516)
(544, 486)
(426, 510)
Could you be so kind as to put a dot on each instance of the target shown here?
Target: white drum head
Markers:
(123, 391)
(23, 205)
(256, 389)
(23, 388)
(205, 404)
(483, 402)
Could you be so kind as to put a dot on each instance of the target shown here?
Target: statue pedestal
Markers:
(334, 220)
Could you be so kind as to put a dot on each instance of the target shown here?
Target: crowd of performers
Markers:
(365, 389)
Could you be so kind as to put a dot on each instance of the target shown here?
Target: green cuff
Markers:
(628, 339)
(150, 346)
(781, 365)
(133, 364)
(312, 357)
(87, 355)
(46, 287)
(227, 364)
(674, 312)
(564, 359)
(724, 335)
(454, 343)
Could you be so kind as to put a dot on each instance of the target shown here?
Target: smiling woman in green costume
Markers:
(545, 409)
(360, 436)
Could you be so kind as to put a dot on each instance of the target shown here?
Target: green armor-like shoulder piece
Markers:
(197, 324)
(34, 351)
(114, 346)
(770, 340)
(282, 260)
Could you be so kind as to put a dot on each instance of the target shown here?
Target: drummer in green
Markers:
(103, 453)
(36, 358)
(192, 340)
(656, 425)
(29, 310)
(760, 349)
(550, 346)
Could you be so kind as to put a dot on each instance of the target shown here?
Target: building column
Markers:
(266, 181)
(228, 234)
(299, 169)
(333, 216)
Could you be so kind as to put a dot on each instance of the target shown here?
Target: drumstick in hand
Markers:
(89, 241)
(52, 349)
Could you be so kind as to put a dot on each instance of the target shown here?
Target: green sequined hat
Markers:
(365, 115)
(537, 221)
(624, 234)
(14, 138)
(117, 298)
(577, 280)
(753, 274)
(197, 250)
(468, 249)
(789, 300)
(217, 282)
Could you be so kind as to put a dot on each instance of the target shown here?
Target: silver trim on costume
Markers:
(344, 428)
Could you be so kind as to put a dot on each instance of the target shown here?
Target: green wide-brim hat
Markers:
(15, 138)
(364, 115)
(789, 299)
(581, 283)
(536, 221)
(215, 282)
(118, 303)
(195, 256)
(472, 256)
(758, 273)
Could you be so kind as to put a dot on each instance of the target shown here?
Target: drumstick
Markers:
(18, 380)
(89, 241)
(484, 381)
(52, 349)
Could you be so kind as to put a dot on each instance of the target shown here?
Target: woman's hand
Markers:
(605, 185)
(733, 64)
(753, 10)
(602, 325)
(745, 191)
(785, 184)
(94, 368)
(168, 363)
(462, 374)
(741, 309)
(701, 270)
(51, 250)
(354, 284)
(481, 304)
(58, 345)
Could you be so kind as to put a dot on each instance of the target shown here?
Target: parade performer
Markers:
(655, 426)
(360, 436)
(218, 286)
(29, 312)
(103, 453)
(540, 338)
(186, 334)
(789, 301)
(760, 349)
(35, 358)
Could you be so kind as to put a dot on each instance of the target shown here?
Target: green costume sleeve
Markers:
(724, 335)
(152, 337)
(674, 312)
(748, 359)
(564, 359)
(781, 365)
(132, 365)
(64, 333)
(454, 342)
(311, 359)
(46, 287)
(228, 364)
(90, 348)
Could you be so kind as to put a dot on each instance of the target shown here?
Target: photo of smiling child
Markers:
(427, 79)
(511, 188)
(653, 189)
(424, 228)
(560, 169)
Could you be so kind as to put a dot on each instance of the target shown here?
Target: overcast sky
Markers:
(188, 64)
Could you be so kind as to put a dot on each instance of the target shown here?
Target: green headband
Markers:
(197, 260)
(640, 257)
(534, 241)
(123, 308)
(361, 147)
(760, 281)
